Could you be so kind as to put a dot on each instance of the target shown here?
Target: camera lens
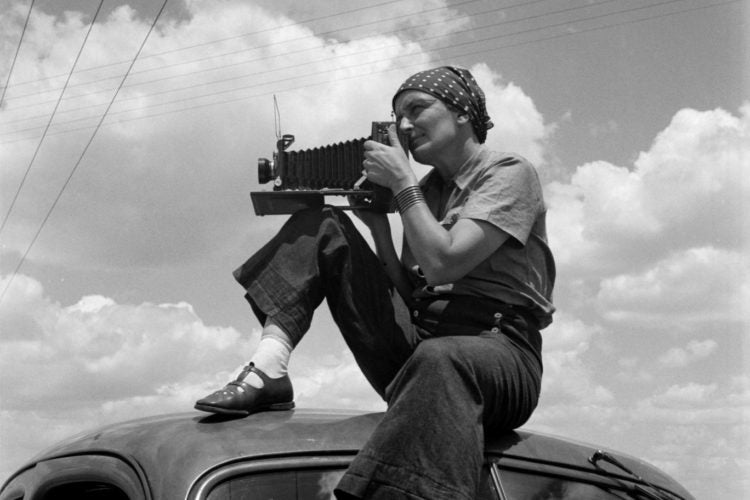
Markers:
(265, 170)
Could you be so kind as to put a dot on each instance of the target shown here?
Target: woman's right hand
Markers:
(388, 165)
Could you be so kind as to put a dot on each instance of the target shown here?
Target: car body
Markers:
(301, 454)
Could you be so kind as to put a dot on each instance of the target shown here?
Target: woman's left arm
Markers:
(445, 256)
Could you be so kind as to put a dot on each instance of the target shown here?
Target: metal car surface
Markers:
(192, 456)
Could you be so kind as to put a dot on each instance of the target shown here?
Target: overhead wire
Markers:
(234, 37)
(51, 117)
(453, 45)
(266, 30)
(492, 25)
(473, 52)
(248, 61)
(398, 68)
(80, 158)
(15, 56)
(312, 36)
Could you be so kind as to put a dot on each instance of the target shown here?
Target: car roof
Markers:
(174, 449)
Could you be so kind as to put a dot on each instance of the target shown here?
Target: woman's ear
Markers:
(462, 118)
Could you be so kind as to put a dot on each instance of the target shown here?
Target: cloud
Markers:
(97, 361)
(519, 126)
(333, 381)
(164, 185)
(694, 351)
(408, 20)
(652, 273)
(688, 394)
(570, 388)
(688, 189)
(66, 369)
(695, 403)
(96, 350)
(702, 431)
(649, 253)
(168, 174)
(598, 130)
(699, 283)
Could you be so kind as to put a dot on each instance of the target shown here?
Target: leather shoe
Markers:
(240, 398)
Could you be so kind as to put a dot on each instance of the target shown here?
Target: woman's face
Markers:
(432, 127)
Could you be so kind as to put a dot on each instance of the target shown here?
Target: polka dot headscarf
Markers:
(456, 87)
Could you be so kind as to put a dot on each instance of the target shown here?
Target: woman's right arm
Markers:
(380, 228)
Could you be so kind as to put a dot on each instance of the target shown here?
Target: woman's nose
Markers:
(404, 125)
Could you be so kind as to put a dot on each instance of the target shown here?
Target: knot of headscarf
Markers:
(456, 87)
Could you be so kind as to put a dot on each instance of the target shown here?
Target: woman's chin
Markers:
(420, 153)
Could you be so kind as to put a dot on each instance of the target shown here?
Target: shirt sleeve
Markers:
(508, 195)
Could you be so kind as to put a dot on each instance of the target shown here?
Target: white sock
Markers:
(272, 355)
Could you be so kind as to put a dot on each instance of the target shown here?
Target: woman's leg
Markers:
(449, 393)
(319, 254)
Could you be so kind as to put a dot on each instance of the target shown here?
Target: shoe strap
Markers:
(247, 388)
(251, 368)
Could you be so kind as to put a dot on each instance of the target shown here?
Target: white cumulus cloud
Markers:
(98, 361)
(688, 190)
(695, 350)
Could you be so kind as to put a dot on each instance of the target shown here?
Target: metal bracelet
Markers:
(408, 197)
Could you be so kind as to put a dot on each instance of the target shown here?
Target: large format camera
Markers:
(303, 179)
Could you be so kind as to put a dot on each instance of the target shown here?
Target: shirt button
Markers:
(495, 329)
(415, 314)
(498, 315)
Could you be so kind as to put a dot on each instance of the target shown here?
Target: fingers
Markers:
(393, 136)
(371, 145)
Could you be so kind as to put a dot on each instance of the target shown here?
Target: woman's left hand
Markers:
(370, 218)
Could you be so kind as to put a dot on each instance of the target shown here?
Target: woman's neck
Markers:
(449, 166)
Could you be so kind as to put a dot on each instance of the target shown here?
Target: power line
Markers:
(234, 37)
(557, 36)
(15, 56)
(80, 158)
(472, 30)
(471, 42)
(397, 68)
(248, 61)
(313, 36)
(52, 116)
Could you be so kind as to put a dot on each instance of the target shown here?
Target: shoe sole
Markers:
(244, 413)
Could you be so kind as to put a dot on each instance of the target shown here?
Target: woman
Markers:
(456, 353)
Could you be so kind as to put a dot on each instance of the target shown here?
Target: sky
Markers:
(124, 195)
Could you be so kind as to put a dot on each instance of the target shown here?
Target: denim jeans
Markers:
(444, 390)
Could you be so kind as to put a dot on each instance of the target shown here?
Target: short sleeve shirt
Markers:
(504, 190)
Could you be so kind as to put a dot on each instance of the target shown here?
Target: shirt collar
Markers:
(466, 172)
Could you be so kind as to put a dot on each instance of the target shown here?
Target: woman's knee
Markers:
(448, 350)
(434, 351)
(442, 358)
